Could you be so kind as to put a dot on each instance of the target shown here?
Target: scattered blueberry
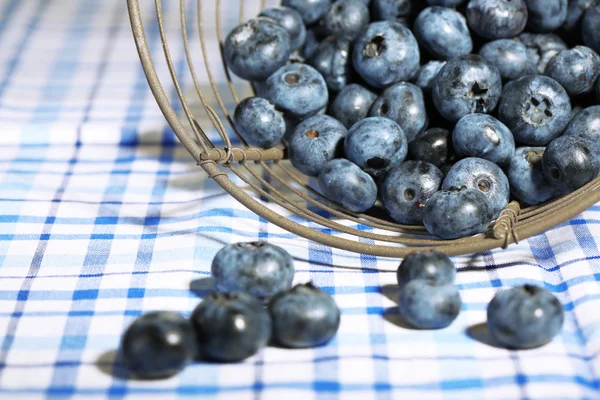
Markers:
(406, 189)
(310, 10)
(586, 124)
(230, 326)
(526, 176)
(291, 21)
(590, 26)
(446, 3)
(542, 47)
(257, 268)
(298, 90)
(433, 267)
(575, 11)
(258, 122)
(497, 19)
(427, 74)
(484, 176)
(524, 317)
(433, 146)
(483, 136)
(443, 32)
(345, 183)
(376, 144)
(465, 85)
(535, 108)
(570, 162)
(352, 104)
(402, 10)
(316, 141)
(346, 18)
(546, 15)
(332, 60)
(456, 213)
(510, 56)
(158, 345)
(385, 53)
(576, 69)
(304, 316)
(403, 103)
(427, 306)
(310, 44)
(256, 49)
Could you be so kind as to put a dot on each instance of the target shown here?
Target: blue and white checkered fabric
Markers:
(104, 217)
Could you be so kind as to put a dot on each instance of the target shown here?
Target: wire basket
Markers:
(331, 225)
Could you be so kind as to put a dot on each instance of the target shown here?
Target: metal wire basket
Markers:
(331, 225)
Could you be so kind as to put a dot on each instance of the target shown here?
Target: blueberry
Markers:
(256, 49)
(590, 26)
(387, 10)
(570, 162)
(434, 146)
(310, 44)
(298, 90)
(497, 19)
(406, 189)
(434, 267)
(345, 183)
(352, 104)
(403, 103)
(546, 15)
(535, 108)
(291, 21)
(465, 85)
(376, 144)
(331, 59)
(575, 11)
(445, 3)
(310, 10)
(542, 47)
(427, 306)
(483, 136)
(443, 32)
(385, 53)
(316, 141)
(258, 268)
(526, 176)
(158, 345)
(427, 74)
(230, 326)
(258, 122)
(346, 18)
(524, 317)
(484, 176)
(510, 56)
(586, 124)
(304, 316)
(576, 69)
(456, 213)
(598, 90)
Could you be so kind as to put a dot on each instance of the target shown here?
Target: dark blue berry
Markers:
(484, 176)
(510, 56)
(443, 32)
(542, 47)
(291, 21)
(546, 15)
(456, 213)
(257, 268)
(352, 104)
(575, 11)
(332, 60)
(497, 19)
(427, 74)
(230, 326)
(576, 69)
(376, 144)
(304, 317)
(406, 189)
(445, 3)
(345, 183)
(385, 53)
(256, 49)
(590, 26)
(586, 124)
(427, 306)
(433, 146)
(258, 122)
(158, 345)
(524, 317)
(570, 162)
(535, 108)
(310, 10)
(298, 90)
(526, 176)
(483, 136)
(404, 104)
(310, 44)
(316, 141)
(346, 18)
(433, 267)
(401, 10)
(465, 85)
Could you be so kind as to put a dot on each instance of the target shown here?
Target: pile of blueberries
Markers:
(441, 109)
(233, 323)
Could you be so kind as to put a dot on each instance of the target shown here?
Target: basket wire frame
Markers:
(512, 225)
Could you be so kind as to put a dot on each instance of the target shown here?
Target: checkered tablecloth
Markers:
(103, 217)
